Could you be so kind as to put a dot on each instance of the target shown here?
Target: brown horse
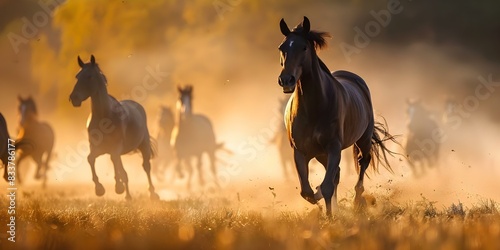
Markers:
(115, 128)
(193, 136)
(422, 151)
(36, 139)
(327, 112)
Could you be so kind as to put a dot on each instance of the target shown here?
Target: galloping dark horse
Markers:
(193, 136)
(327, 112)
(421, 150)
(116, 128)
(36, 139)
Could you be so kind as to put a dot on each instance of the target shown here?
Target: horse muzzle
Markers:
(287, 82)
(75, 101)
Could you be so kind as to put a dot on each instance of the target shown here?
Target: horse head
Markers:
(27, 108)
(184, 104)
(297, 51)
(90, 80)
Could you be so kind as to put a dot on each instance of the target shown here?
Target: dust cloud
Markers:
(228, 52)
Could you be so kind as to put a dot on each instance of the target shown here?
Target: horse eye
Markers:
(305, 48)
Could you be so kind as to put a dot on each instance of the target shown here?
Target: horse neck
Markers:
(314, 92)
(29, 118)
(101, 106)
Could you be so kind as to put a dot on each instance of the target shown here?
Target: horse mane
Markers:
(318, 41)
(102, 74)
(317, 38)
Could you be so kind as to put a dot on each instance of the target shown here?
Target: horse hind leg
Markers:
(199, 164)
(99, 188)
(146, 165)
(121, 176)
(363, 145)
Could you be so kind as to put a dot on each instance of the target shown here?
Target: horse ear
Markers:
(80, 62)
(179, 89)
(19, 98)
(306, 25)
(284, 28)
(92, 59)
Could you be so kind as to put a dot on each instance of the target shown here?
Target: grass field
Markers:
(58, 221)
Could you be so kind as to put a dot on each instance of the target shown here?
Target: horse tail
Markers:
(24, 143)
(220, 146)
(379, 150)
(153, 144)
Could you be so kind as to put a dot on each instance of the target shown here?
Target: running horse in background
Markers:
(36, 139)
(421, 149)
(165, 150)
(326, 113)
(192, 136)
(115, 127)
(283, 144)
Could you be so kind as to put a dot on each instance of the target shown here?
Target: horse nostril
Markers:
(280, 81)
(291, 81)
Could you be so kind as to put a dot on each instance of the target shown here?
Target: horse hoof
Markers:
(309, 197)
(360, 203)
(99, 190)
(154, 196)
(128, 197)
(119, 188)
(318, 195)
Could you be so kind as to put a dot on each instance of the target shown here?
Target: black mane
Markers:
(317, 38)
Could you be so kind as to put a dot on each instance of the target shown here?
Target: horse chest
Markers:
(307, 138)
(104, 133)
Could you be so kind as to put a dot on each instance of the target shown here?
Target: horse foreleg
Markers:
(329, 185)
(39, 165)
(199, 164)
(187, 164)
(121, 177)
(99, 189)
(302, 166)
(18, 164)
(40, 170)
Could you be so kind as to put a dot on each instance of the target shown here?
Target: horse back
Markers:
(357, 105)
(135, 125)
(36, 137)
(193, 136)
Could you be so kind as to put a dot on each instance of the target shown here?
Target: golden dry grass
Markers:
(59, 222)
